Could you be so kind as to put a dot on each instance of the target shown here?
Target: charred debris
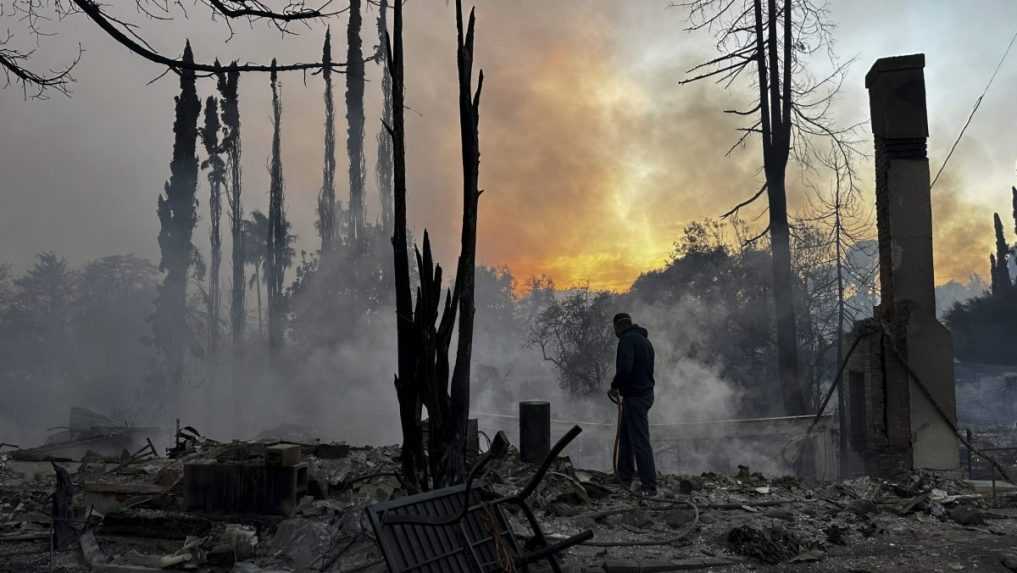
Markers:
(284, 505)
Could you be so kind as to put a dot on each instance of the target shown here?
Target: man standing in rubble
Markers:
(633, 387)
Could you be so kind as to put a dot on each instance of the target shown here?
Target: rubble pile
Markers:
(131, 515)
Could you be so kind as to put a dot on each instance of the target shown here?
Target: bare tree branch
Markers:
(745, 203)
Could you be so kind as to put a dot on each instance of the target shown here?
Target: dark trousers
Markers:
(634, 441)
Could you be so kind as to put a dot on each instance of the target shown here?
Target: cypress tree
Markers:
(228, 83)
(355, 119)
(276, 243)
(216, 177)
(1013, 190)
(1000, 273)
(326, 199)
(177, 209)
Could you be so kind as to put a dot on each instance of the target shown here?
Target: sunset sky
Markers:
(592, 157)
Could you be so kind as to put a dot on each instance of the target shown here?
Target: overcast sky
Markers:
(592, 157)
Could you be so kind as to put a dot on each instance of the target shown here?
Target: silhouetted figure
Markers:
(633, 382)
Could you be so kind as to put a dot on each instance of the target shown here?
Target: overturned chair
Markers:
(454, 529)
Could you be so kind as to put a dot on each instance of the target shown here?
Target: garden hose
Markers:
(617, 431)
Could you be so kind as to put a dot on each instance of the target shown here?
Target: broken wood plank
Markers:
(25, 537)
(122, 488)
(114, 568)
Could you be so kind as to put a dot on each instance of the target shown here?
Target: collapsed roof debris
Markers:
(132, 516)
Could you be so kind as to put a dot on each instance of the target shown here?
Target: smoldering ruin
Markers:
(329, 392)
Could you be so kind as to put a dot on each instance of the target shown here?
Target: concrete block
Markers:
(283, 455)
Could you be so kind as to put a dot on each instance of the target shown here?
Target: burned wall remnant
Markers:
(900, 378)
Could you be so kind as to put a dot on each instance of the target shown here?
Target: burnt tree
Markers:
(383, 166)
(216, 179)
(424, 333)
(177, 216)
(413, 462)
(790, 108)
(228, 84)
(355, 121)
(469, 120)
(326, 199)
(276, 243)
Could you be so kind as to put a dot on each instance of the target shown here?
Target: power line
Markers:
(978, 102)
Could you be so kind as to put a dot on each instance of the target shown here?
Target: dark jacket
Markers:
(634, 365)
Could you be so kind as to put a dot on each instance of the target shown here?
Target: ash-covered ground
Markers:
(128, 514)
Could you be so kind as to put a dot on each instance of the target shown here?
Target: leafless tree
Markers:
(791, 108)
(847, 230)
(574, 334)
(35, 18)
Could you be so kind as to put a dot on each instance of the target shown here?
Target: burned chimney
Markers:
(896, 417)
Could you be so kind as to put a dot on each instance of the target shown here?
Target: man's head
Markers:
(622, 321)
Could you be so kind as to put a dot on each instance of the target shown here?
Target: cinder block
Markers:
(283, 455)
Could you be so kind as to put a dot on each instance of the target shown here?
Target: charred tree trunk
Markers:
(384, 159)
(406, 387)
(276, 243)
(355, 120)
(228, 84)
(216, 176)
(775, 124)
(469, 118)
(326, 200)
(177, 217)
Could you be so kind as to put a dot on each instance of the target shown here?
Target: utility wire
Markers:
(974, 109)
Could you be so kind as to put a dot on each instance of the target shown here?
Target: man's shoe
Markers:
(648, 491)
